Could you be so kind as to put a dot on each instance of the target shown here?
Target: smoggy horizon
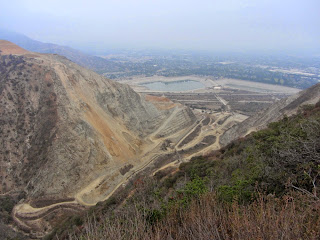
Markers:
(233, 26)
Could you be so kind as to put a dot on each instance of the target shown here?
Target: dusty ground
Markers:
(28, 217)
(209, 83)
(217, 125)
(31, 218)
(256, 86)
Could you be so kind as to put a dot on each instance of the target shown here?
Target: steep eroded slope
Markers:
(66, 132)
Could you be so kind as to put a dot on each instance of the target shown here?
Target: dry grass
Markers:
(263, 219)
(291, 217)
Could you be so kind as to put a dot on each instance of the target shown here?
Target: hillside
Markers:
(94, 63)
(264, 186)
(71, 137)
(284, 107)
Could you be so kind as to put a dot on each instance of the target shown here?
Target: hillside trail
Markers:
(27, 208)
(147, 154)
(23, 212)
(146, 158)
(150, 153)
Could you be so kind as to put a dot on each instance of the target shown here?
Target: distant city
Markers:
(298, 72)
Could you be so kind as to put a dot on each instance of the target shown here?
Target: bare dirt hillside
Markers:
(9, 48)
(69, 133)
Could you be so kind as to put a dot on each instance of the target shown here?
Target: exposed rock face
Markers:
(62, 126)
(274, 113)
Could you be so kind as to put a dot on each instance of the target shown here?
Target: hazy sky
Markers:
(233, 25)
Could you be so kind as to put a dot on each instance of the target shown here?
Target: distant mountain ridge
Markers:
(97, 64)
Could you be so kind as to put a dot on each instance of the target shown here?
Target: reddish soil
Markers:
(161, 103)
(7, 48)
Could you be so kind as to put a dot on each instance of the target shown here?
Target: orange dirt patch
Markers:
(115, 146)
(162, 103)
(151, 98)
(7, 48)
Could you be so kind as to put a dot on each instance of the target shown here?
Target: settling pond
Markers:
(176, 86)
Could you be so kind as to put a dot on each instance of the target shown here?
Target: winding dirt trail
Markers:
(24, 212)
(27, 217)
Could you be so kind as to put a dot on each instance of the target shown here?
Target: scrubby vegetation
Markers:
(263, 186)
(7, 203)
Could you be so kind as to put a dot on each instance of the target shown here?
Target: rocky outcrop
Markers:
(284, 107)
